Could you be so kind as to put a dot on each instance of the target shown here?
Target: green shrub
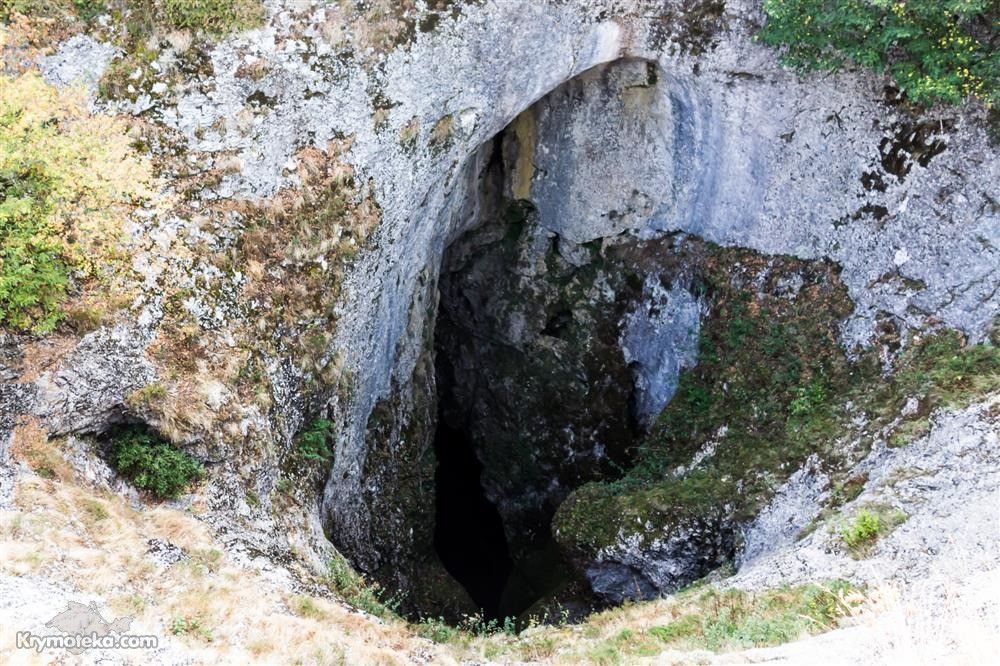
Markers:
(68, 180)
(213, 16)
(34, 275)
(867, 527)
(862, 531)
(808, 399)
(936, 50)
(153, 464)
(311, 443)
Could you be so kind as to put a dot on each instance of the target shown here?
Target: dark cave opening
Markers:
(500, 447)
(508, 575)
(468, 533)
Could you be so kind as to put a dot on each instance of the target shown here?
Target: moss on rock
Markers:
(773, 386)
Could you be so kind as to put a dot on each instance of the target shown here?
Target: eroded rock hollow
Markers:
(558, 336)
(611, 239)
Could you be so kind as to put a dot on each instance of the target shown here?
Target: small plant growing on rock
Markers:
(153, 464)
(311, 443)
(190, 626)
(437, 630)
(148, 395)
(863, 531)
(213, 16)
(867, 527)
(356, 590)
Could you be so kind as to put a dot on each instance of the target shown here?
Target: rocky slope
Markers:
(527, 218)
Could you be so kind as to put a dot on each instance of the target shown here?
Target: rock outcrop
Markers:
(631, 129)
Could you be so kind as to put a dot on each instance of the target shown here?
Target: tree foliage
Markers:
(935, 50)
(67, 182)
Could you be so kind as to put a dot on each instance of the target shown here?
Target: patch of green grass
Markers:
(356, 590)
(94, 509)
(909, 431)
(680, 629)
(86, 10)
(148, 395)
(847, 490)
(306, 607)
(190, 626)
(437, 630)
(207, 559)
(636, 643)
(733, 619)
(152, 463)
(862, 531)
(213, 16)
(605, 654)
(945, 370)
(134, 603)
(311, 442)
(131, 76)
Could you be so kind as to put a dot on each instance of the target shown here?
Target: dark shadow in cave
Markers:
(468, 534)
(505, 579)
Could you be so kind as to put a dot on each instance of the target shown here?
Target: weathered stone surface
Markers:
(80, 61)
(659, 339)
(637, 568)
(705, 135)
(88, 390)
(945, 482)
(796, 504)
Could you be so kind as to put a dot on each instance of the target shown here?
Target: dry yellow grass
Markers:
(56, 532)
(31, 445)
(65, 532)
(61, 531)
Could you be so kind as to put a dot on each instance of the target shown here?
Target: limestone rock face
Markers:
(636, 569)
(631, 119)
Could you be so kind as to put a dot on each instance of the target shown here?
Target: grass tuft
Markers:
(868, 525)
(356, 590)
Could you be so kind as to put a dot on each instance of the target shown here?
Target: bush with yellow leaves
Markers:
(68, 182)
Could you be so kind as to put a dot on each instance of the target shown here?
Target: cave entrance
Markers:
(510, 568)
(500, 440)
(533, 395)
(533, 401)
